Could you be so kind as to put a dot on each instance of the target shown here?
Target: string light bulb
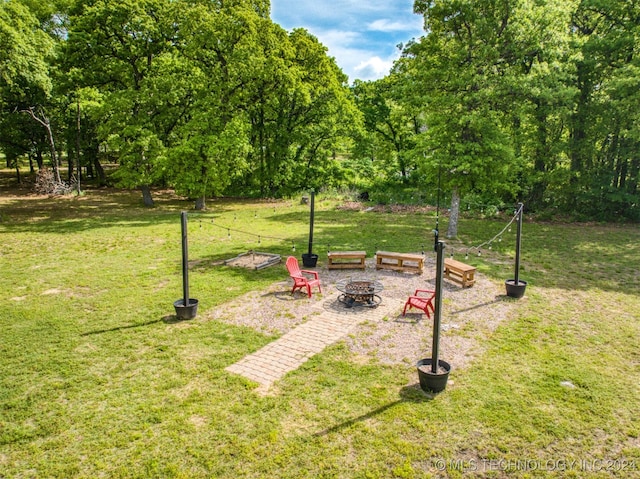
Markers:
(293, 247)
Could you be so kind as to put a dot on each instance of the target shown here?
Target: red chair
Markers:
(422, 299)
(302, 278)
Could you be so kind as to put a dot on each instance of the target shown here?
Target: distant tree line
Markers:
(499, 101)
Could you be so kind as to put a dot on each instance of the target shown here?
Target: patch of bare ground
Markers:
(468, 317)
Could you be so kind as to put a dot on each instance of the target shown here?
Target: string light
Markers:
(498, 237)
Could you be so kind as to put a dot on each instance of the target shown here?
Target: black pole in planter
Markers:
(186, 307)
(433, 372)
(515, 287)
(310, 259)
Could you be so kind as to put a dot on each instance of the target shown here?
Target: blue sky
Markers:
(361, 34)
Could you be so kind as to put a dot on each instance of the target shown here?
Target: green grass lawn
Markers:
(97, 379)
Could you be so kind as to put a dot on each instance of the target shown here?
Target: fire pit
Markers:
(361, 292)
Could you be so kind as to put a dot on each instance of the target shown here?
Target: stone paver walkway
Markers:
(291, 350)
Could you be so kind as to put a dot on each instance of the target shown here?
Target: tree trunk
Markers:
(452, 230)
(102, 178)
(44, 121)
(146, 196)
(201, 203)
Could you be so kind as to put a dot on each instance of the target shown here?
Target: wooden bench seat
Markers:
(409, 262)
(459, 272)
(346, 259)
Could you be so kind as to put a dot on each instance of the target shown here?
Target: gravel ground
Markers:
(469, 315)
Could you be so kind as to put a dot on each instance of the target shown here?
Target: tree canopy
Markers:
(499, 102)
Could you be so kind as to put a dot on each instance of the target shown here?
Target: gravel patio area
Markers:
(469, 315)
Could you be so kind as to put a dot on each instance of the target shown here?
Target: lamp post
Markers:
(515, 287)
(433, 372)
(186, 307)
(309, 259)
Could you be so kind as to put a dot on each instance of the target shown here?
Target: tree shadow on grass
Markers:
(169, 319)
(408, 394)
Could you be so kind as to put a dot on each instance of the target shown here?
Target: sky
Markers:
(362, 35)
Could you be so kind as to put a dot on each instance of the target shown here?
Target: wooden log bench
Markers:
(413, 263)
(346, 259)
(459, 272)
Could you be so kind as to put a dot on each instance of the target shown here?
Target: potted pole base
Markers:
(515, 289)
(430, 381)
(187, 311)
(309, 260)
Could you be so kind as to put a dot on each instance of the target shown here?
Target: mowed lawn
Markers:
(98, 379)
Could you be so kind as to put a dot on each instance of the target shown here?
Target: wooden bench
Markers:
(346, 259)
(413, 263)
(459, 272)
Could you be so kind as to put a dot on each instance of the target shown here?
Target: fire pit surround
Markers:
(360, 292)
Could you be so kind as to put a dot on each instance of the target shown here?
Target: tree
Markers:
(25, 82)
(300, 112)
(392, 121)
(123, 48)
(603, 141)
(458, 69)
(220, 48)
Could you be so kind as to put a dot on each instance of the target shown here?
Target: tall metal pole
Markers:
(185, 261)
(518, 242)
(311, 223)
(435, 347)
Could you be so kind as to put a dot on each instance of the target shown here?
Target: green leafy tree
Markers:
(122, 48)
(603, 141)
(301, 112)
(458, 69)
(212, 143)
(392, 123)
(25, 82)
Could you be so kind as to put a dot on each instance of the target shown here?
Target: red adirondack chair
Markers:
(422, 299)
(302, 278)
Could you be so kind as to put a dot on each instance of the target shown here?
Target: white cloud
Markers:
(361, 36)
(386, 25)
(373, 68)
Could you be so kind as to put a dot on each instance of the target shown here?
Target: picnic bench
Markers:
(459, 272)
(346, 259)
(409, 262)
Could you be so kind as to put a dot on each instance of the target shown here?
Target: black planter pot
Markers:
(309, 260)
(433, 382)
(515, 290)
(186, 312)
